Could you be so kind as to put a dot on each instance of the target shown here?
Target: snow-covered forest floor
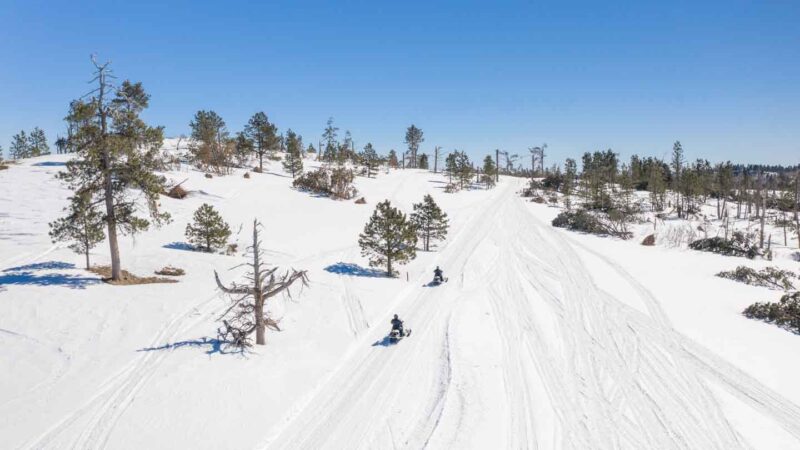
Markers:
(541, 338)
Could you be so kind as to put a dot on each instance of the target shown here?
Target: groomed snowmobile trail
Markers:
(540, 357)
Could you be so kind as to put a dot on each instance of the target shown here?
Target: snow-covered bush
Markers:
(769, 277)
(739, 244)
(785, 313)
(592, 223)
(336, 183)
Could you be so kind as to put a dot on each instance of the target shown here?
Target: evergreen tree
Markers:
(244, 147)
(423, 161)
(489, 171)
(677, 174)
(210, 136)
(61, 145)
(370, 159)
(116, 152)
(208, 231)
(311, 150)
(430, 222)
(570, 176)
(264, 136)
(19, 146)
(37, 143)
(464, 170)
(1, 156)
(293, 160)
(414, 137)
(82, 226)
(388, 238)
(450, 165)
(331, 145)
(393, 162)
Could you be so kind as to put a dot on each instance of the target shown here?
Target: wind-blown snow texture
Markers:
(541, 338)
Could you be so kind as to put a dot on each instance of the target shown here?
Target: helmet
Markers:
(395, 316)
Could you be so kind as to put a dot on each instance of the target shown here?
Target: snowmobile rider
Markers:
(397, 324)
(438, 275)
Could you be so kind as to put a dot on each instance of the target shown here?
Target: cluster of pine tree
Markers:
(390, 237)
(25, 145)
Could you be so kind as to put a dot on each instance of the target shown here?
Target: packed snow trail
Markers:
(579, 368)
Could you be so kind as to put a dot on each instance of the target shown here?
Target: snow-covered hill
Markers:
(541, 338)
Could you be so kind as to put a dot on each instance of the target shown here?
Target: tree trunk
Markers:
(259, 311)
(87, 259)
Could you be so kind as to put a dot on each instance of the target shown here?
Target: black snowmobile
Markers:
(398, 332)
(438, 277)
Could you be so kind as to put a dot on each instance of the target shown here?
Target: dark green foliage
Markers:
(293, 160)
(342, 183)
(19, 146)
(414, 137)
(599, 174)
(210, 142)
(388, 238)
(785, 313)
(463, 169)
(769, 277)
(37, 143)
(423, 161)
(489, 171)
(369, 157)
(430, 222)
(263, 135)
(329, 154)
(243, 148)
(738, 245)
(316, 181)
(208, 232)
(82, 226)
(116, 152)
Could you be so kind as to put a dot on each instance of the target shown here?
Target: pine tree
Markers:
(388, 238)
(429, 221)
(369, 157)
(293, 160)
(244, 147)
(208, 231)
(331, 145)
(82, 226)
(677, 166)
(210, 139)
(414, 137)
(1, 157)
(116, 152)
(311, 150)
(264, 136)
(393, 162)
(570, 176)
(464, 169)
(37, 143)
(450, 166)
(489, 171)
(423, 161)
(19, 148)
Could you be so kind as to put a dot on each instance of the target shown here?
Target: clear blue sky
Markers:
(721, 76)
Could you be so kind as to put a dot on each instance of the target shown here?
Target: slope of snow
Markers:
(541, 338)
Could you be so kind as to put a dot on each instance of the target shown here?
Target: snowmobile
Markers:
(396, 335)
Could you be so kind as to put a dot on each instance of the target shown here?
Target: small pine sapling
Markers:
(208, 232)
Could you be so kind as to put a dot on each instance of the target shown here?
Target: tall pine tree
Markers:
(293, 159)
(430, 222)
(116, 153)
(37, 143)
(369, 157)
(489, 171)
(414, 137)
(388, 238)
(20, 146)
(264, 136)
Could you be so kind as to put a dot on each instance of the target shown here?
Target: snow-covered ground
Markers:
(541, 338)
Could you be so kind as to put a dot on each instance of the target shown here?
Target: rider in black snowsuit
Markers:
(438, 275)
(397, 324)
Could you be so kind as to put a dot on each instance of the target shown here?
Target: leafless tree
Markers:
(246, 313)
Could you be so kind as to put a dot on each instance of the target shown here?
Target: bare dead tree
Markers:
(246, 313)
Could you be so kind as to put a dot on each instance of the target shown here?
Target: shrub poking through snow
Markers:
(769, 277)
(336, 183)
(649, 240)
(171, 271)
(388, 238)
(247, 174)
(785, 313)
(177, 192)
(592, 223)
(738, 245)
(208, 232)
(361, 201)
